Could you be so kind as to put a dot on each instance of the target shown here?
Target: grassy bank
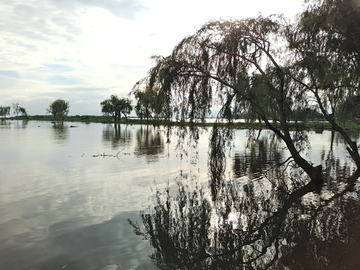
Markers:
(308, 125)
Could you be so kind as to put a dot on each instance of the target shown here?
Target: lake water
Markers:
(99, 196)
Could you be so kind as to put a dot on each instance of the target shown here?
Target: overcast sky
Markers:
(83, 51)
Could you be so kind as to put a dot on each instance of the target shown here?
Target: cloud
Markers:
(33, 25)
(87, 50)
(9, 73)
(127, 9)
(124, 9)
(58, 67)
(64, 80)
(39, 22)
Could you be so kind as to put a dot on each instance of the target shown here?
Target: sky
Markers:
(84, 51)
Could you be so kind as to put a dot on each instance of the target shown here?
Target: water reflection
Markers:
(258, 156)
(78, 246)
(252, 228)
(282, 220)
(219, 142)
(4, 124)
(117, 135)
(353, 134)
(21, 123)
(150, 143)
(60, 132)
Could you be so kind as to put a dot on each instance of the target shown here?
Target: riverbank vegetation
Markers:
(313, 124)
(269, 68)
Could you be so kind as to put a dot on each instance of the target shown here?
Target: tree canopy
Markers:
(115, 106)
(149, 103)
(265, 65)
(4, 111)
(59, 109)
(18, 109)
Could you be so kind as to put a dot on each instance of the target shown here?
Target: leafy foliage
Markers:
(326, 44)
(23, 111)
(18, 109)
(149, 103)
(265, 67)
(116, 106)
(4, 111)
(349, 109)
(59, 109)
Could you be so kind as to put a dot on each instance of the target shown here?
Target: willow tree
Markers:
(148, 103)
(18, 109)
(326, 47)
(250, 63)
(115, 106)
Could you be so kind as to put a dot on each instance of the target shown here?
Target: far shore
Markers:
(310, 124)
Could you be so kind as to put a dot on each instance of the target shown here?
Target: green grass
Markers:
(309, 125)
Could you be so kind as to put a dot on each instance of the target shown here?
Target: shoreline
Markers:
(316, 125)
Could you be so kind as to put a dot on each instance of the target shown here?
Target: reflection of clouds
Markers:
(54, 200)
(237, 221)
(53, 182)
(51, 195)
(74, 244)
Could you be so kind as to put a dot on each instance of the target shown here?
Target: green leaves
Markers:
(149, 102)
(213, 67)
(115, 107)
(326, 41)
(59, 109)
(5, 111)
(264, 68)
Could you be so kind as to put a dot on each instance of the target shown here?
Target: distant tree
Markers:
(59, 109)
(16, 108)
(5, 111)
(143, 105)
(23, 112)
(149, 103)
(306, 114)
(115, 106)
(124, 106)
(107, 108)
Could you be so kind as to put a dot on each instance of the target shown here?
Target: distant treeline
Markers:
(313, 122)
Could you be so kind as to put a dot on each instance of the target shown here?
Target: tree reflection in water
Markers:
(259, 155)
(117, 135)
(280, 221)
(60, 132)
(149, 143)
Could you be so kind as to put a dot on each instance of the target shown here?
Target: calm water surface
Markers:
(68, 195)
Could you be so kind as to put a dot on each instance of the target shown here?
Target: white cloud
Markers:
(86, 50)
